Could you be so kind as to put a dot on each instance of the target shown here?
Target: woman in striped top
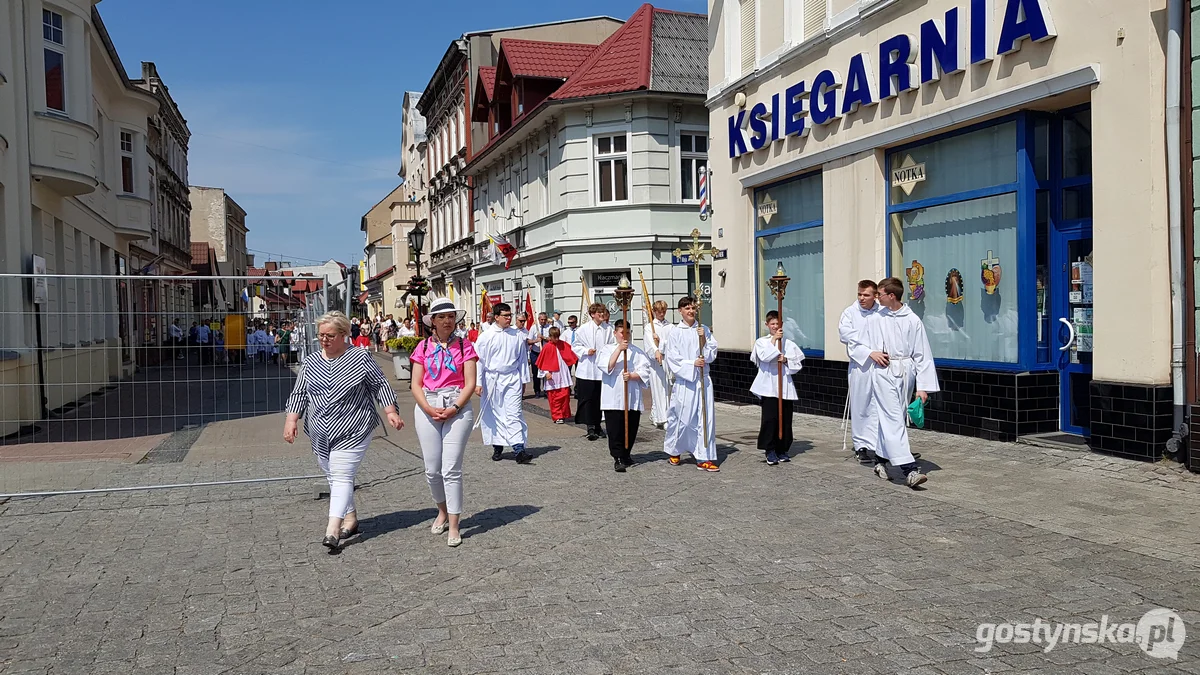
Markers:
(336, 392)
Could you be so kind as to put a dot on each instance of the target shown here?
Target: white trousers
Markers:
(864, 421)
(339, 470)
(443, 444)
(890, 394)
(660, 391)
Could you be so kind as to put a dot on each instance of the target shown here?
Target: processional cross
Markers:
(697, 253)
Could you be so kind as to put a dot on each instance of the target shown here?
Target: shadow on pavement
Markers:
(489, 519)
(543, 450)
(377, 526)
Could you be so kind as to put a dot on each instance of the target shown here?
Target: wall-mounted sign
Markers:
(686, 259)
(604, 279)
(39, 282)
(902, 63)
(908, 174)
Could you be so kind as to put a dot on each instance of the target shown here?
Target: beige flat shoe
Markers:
(453, 541)
(438, 528)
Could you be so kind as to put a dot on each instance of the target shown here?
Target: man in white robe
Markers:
(589, 339)
(864, 424)
(617, 381)
(901, 359)
(654, 339)
(689, 363)
(772, 353)
(501, 376)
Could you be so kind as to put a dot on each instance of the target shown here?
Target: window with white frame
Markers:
(54, 54)
(748, 34)
(544, 180)
(693, 156)
(126, 161)
(612, 167)
(101, 148)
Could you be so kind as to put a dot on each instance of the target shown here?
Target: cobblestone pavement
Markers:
(815, 566)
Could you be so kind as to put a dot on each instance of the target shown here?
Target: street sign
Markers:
(40, 293)
(685, 259)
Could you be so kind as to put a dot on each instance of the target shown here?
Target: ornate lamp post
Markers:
(778, 285)
(416, 284)
(624, 295)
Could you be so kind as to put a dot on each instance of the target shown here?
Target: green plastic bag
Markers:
(916, 413)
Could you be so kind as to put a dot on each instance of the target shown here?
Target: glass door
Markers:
(1073, 326)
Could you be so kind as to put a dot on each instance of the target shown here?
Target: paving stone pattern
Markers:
(567, 567)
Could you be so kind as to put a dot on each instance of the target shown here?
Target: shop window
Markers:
(945, 252)
(790, 231)
(1077, 144)
(957, 164)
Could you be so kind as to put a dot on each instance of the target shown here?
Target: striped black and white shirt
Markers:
(337, 398)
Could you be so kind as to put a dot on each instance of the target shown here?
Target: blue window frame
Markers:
(969, 226)
(788, 224)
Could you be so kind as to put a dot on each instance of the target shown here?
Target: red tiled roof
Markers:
(382, 274)
(487, 77)
(535, 58)
(199, 253)
(620, 64)
(256, 272)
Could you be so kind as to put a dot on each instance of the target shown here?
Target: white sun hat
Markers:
(443, 306)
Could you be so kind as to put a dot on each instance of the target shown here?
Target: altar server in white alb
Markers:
(771, 353)
(620, 378)
(864, 423)
(589, 340)
(689, 410)
(901, 360)
(654, 340)
(502, 374)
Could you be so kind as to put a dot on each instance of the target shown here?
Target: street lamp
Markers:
(416, 241)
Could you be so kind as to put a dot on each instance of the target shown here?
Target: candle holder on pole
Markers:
(624, 295)
(778, 286)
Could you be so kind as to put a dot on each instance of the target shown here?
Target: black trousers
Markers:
(588, 410)
(614, 421)
(768, 432)
(537, 381)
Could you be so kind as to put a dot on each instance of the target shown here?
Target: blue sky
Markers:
(294, 105)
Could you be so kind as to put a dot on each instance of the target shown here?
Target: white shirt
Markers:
(543, 331)
(850, 331)
(568, 335)
(612, 393)
(766, 357)
(176, 331)
(588, 337)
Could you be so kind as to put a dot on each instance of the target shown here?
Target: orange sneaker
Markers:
(674, 460)
(708, 466)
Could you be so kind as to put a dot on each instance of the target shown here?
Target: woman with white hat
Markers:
(443, 381)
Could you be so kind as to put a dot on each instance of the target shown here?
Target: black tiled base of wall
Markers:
(1127, 420)
(1131, 420)
(1193, 451)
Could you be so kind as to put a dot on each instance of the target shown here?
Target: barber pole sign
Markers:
(702, 182)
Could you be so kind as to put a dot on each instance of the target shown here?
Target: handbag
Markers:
(916, 413)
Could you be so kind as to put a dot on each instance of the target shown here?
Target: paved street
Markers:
(566, 567)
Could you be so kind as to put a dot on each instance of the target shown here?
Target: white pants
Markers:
(339, 470)
(864, 420)
(442, 446)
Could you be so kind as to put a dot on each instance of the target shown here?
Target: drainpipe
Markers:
(1175, 18)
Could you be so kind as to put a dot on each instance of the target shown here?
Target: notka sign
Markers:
(964, 36)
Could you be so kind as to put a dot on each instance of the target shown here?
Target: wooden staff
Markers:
(778, 285)
(624, 295)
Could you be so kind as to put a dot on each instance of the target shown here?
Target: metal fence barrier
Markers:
(104, 373)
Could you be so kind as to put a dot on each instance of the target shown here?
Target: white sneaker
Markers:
(881, 471)
(915, 478)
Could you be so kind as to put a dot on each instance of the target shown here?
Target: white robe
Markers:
(503, 371)
(864, 421)
(901, 336)
(660, 385)
(587, 337)
(684, 426)
(766, 357)
(612, 393)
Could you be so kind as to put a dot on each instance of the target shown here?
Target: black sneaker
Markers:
(523, 457)
(618, 466)
(592, 435)
(497, 451)
(783, 457)
(627, 461)
(861, 455)
(916, 455)
(600, 433)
